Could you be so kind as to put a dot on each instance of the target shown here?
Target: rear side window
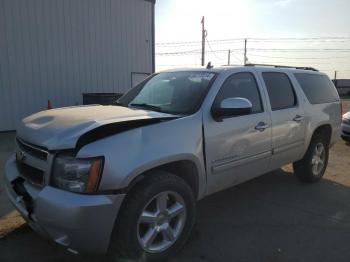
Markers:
(280, 90)
(241, 85)
(317, 88)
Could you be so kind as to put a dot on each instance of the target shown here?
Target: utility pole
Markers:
(203, 41)
(229, 57)
(245, 51)
(335, 78)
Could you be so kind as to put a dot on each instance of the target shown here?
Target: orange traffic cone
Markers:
(49, 106)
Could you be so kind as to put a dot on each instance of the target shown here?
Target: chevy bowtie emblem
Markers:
(20, 156)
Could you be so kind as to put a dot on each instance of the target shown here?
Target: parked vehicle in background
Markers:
(127, 177)
(345, 126)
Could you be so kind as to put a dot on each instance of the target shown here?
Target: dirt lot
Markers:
(271, 218)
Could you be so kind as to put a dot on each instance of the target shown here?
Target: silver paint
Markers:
(224, 153)
(236, 102)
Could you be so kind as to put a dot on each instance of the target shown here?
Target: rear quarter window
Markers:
(317, 88)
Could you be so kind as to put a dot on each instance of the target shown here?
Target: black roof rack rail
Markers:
(283, 66)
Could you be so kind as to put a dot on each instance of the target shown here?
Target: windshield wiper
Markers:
(147, 106)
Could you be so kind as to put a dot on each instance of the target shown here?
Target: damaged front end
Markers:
(115, 128)
(79, 218)
(79, 222)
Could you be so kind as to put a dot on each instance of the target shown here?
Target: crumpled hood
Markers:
(61, 128)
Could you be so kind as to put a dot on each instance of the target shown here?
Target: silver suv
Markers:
(126, 178)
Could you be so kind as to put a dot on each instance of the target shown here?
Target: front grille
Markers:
(32, 162)
(30, 173)
(31, 149)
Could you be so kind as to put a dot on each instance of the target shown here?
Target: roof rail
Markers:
(283, 66)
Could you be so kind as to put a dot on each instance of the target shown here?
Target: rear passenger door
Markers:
(287, 114)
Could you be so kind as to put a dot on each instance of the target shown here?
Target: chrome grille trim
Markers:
(35, 157)
(30, 148)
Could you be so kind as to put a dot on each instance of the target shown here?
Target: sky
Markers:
(289, 32)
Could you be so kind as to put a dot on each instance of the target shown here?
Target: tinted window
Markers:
(317, 88)
(280, 90)
(241, 85)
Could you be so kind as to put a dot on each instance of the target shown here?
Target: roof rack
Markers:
(282, 66)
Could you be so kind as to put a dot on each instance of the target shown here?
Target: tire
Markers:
(148, 196)
(305, 168)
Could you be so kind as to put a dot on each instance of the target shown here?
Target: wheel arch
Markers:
(186, 169)
(325, 130)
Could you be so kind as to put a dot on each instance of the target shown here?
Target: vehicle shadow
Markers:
(271, 218)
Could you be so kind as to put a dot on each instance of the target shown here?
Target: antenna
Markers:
(209, 65)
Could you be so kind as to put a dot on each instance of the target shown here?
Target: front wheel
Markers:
(314, 163)
(155, 220)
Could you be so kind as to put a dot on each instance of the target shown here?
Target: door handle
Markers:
(261, 126)
(298, 118)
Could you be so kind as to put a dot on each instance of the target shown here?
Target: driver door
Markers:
(238, 148)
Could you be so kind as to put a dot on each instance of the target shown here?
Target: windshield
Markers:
(170, 92)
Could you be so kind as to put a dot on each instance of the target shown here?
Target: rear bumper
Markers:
(82, 223)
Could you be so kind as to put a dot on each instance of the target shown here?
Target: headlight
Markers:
(77, 175)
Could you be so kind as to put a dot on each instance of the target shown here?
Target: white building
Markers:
(58, 49)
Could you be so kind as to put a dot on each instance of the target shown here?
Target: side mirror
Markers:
(229, 107)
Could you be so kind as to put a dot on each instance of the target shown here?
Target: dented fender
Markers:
(130, 153)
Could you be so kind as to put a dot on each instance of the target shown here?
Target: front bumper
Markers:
(81, 223)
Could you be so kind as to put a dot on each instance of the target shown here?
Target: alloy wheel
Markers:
(161, 222)
(318, 159)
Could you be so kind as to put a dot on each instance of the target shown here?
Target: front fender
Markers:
(129, 154)
(168, 160)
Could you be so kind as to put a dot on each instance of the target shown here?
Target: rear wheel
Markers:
(155, 220)
(313, 165)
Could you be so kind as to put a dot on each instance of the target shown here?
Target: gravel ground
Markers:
(271, 218)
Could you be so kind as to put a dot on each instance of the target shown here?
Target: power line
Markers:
(282, 48)
(302, 38)
(190, 52)
(187, 52)
(319, 39)
(304, 58)
(179, 43)
(301, 49)
(212, 51)
(198, 42)
(285, 50)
